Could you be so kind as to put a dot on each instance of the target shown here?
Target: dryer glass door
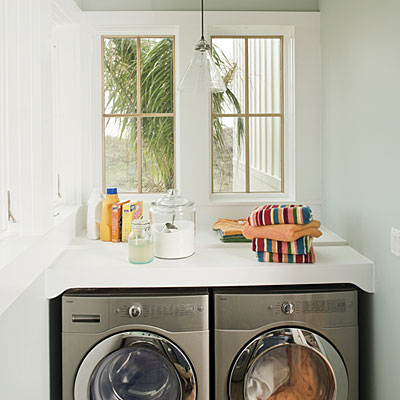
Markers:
(288, 363)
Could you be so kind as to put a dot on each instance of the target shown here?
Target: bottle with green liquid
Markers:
(140, 242)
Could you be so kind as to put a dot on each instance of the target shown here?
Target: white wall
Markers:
(26, 126)
(361, 136)
(193, 125)
(24, 346)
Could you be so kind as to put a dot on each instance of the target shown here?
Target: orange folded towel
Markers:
(284, 233)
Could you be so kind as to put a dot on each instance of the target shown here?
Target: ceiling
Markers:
(193, 5)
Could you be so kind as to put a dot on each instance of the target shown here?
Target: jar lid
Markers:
(140, 223)
(172, 200)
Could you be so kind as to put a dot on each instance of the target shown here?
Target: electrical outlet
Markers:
(396, 242)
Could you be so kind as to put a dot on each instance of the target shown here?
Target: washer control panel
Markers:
(170, 313)
(87, 314)
(157, 310)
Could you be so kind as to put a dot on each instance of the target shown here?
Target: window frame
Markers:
(138, 115)
(287, 32)
(247, 114)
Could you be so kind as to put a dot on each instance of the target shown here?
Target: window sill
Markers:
(64, 212)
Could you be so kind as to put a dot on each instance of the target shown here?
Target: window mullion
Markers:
(282, 117)
(246, 46)
(138, 120)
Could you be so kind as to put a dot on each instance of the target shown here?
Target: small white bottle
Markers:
(94, 215)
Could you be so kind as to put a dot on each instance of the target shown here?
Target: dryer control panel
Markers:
(252, 311)
(289, 307)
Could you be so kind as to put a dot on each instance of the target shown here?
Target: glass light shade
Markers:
(202, 74)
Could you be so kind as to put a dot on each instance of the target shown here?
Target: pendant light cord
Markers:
(202, 20)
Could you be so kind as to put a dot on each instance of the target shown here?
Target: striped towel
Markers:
(263, 256)
(300, 246)
(284, 214)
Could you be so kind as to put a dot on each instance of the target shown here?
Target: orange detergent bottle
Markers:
(105, 226)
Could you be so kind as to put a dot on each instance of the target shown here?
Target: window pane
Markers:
(158, 159)
(120, 153)
(229, 164)
(265, 75)
(229, 56)
(157, 75)
(265, 154)
(120, 63)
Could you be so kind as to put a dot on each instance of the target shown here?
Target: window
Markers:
(248, 119)
(138, 113)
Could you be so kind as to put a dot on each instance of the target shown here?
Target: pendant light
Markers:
(202, 73)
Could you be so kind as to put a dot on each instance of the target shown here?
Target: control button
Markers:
(288, 307)
(135, 311)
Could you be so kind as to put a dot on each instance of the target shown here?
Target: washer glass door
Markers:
(288, 363)
(136, 373)
(135, 366)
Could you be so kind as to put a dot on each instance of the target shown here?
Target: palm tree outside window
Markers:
(138, 113)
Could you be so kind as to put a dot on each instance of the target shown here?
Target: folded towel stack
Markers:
(231, 230)
(283, 233)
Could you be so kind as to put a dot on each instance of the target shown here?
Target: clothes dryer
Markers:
(135, 345)
(286, 343)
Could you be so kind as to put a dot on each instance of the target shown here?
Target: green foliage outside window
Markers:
(156, 97)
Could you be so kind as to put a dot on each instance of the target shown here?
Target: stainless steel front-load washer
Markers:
(299, 343)
(135, 345)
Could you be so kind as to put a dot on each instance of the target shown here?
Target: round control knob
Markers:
(135, 311)
(288, 307)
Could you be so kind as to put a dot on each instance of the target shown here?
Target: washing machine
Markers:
(135, 345)
(286, 343)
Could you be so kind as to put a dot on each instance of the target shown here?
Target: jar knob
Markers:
(172, 192)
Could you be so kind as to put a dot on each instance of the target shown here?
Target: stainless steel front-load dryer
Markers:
(135, 345)
(281, 344)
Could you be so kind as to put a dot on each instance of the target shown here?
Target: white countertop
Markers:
(96, 264)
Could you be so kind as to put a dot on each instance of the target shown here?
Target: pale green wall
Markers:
(361, 155)
(190, 5)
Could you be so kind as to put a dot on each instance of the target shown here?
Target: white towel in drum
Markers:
(266, 376)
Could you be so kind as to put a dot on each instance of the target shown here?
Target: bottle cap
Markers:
(112, 190)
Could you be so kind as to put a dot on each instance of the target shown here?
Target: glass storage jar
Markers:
(173, 225)
(140, 242)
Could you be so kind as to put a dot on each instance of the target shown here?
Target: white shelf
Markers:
(93, 264)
